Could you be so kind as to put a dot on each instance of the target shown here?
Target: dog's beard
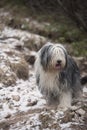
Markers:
(54, 65)
(58, 66)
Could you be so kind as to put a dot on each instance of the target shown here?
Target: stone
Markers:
(16, 97)
(8, 115)
(80, 111)
(32, 103)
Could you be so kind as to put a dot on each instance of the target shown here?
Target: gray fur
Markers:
(66, 81)
(45, 56)
(71, 74)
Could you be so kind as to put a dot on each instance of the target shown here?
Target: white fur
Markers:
(65, 100)
(49, 80)
(49, 77)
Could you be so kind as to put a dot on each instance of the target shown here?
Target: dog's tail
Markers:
(83, 80)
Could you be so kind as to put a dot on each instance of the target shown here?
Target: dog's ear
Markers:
(72, 64)
(72, 70)
(45, 55)
(66, 57)
(72, 74)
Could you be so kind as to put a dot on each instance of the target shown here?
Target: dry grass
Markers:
(1, 74)
(30, 59)
(35, 43)
(7, 80)
(21, 69)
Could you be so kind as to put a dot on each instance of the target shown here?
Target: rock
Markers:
(19, 47)
(77, 127)
(11, 107)
(8, 98)
(32, 103)
(16, 97)
(73, 108)
(80, 112)
(8, 115)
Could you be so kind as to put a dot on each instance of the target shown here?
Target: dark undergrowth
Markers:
(58, 27)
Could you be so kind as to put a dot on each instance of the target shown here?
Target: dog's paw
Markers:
(63, 108)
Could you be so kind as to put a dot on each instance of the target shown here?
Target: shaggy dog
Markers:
(57, 75)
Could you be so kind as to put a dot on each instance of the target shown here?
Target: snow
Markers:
(32, 122)
(26, 91)
(85, 89)
(65, 125)
(21, 36)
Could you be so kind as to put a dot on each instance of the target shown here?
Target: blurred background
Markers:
(58, 20)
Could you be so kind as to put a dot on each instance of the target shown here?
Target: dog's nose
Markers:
(59, 61)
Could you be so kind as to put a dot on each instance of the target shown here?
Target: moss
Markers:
(61, 39)
(80, 48)
(72, 35)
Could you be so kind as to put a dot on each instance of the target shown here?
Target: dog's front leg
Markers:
(65, 100)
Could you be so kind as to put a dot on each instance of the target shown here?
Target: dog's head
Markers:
(53, 57)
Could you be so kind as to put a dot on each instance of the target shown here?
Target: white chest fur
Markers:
(49, 81)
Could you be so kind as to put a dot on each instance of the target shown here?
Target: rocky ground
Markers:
(22, 107)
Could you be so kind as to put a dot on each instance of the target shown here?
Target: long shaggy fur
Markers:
(57, 75)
